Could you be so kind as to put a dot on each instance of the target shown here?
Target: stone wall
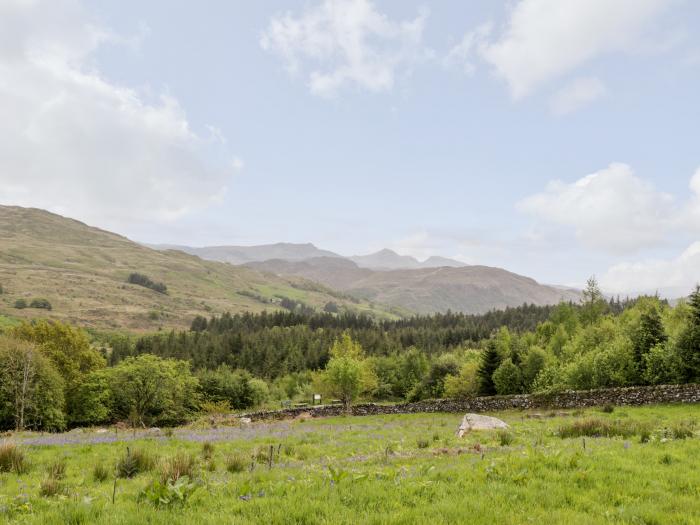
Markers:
(641, 395)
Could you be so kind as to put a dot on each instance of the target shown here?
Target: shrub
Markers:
(12, 458)
(134, 462)
(100, 472)
(40, 303)
(20, 304)
(176, 467)
(236, 463)
(422, 443)
(505, 438)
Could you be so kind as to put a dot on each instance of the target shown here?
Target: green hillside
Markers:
(82, 271)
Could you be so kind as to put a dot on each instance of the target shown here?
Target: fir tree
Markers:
(490, 361)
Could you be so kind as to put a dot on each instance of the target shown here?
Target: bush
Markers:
(100, 472)
(12, 458)
(236, 463)
(507, 378)
(20, 304)
(40, 303)
(176, 467)
(134, 462)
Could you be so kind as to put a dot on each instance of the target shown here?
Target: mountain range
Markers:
(83, 272)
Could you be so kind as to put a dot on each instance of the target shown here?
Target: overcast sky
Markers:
(554, 138)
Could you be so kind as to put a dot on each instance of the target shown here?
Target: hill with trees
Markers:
(94, 278)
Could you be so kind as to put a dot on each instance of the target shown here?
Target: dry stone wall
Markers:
(641, 395)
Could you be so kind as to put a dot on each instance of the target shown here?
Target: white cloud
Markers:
(73, 142)
(671, 277)
(612, 209)
(577, 94)
(343, 42)
(545, 39)
(462, 55)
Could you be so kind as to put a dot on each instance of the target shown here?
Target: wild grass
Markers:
(12, 458)
(135, 462)
(347, 477)
(598, 427)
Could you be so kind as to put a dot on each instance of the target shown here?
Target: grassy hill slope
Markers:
(83, 271)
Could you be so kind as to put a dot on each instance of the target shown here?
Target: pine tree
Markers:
(490, 361)
(688, 346)
(649, 334)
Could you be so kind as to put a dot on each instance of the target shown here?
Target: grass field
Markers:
(377, 469)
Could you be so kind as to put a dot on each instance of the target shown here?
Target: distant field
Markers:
(385, 469)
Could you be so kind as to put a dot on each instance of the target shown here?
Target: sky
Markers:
(558, 139)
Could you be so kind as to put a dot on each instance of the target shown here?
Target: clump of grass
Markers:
(644, 435)
(505, 437)
(666, 459)
(134, 462)
(422, 443)
(436, 436)
(596, 427)
(100, 472)
(236, 463)
(169, 432)
(12, 458)
(57, 469)
(177, 466)
(683, 430)
(211, 465)
(608, 409)
(207, 450)
(50, 487)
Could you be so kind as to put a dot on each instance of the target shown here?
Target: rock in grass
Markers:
(479, 422)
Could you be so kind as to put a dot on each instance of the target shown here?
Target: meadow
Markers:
(623, 465)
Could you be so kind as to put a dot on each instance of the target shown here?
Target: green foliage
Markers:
(597, 427)
(173, 468)
(593, 304)
(169, 493)
(490, 361)
(100, 472)
(134, 462)
(464, 385)
(505, 437)
(688, 344)
(236, 463)
(31, 390)
(151, 390)
(342, 378)
(507, 378)
(238, 388)
(42, 304)
(20, 304)
(146, 282)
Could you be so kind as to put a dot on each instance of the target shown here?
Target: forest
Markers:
(53, 375)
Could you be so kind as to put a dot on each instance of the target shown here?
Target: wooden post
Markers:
(269, 459)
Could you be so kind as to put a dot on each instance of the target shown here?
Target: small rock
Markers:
(245, 420)
(154, 430)
(101, 431)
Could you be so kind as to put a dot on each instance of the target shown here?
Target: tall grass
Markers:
(597, 427)
(12, 458)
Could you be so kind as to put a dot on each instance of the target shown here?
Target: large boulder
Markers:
(479, 422)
